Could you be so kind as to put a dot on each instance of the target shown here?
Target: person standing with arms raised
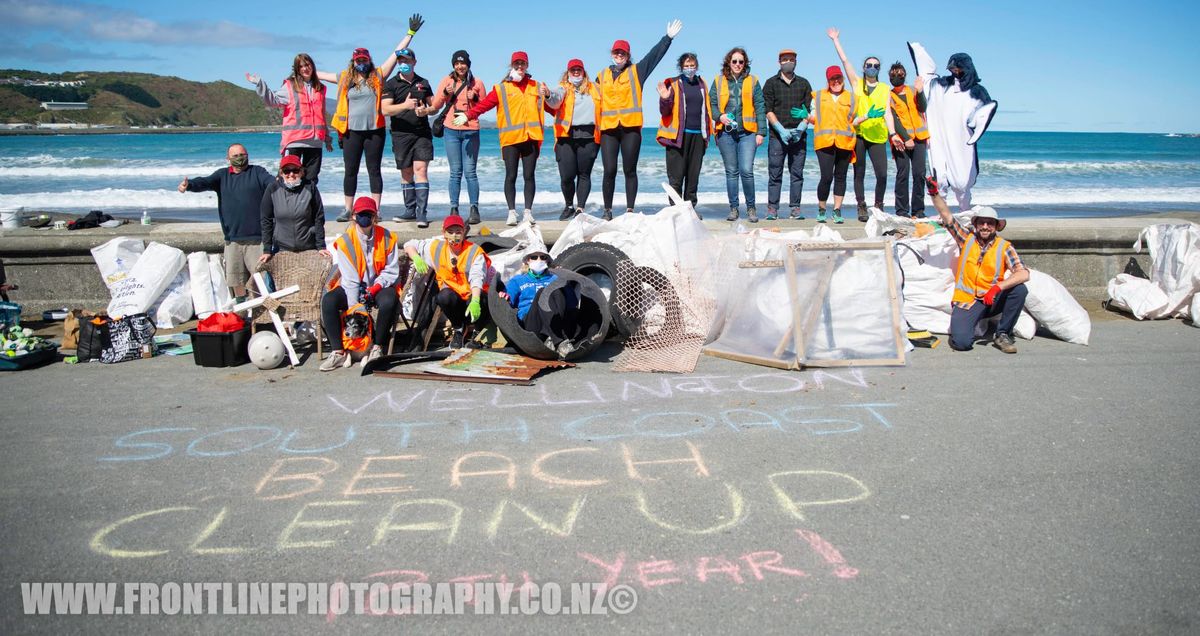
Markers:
(686, 126)
(576, 138)
(407, 102)
(302, 99)
(786, 97)
(461, 90)
(620, 114)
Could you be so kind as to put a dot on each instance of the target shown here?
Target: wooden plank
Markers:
(742, 357)
(451, 378)
(863, 362)
(894, 296)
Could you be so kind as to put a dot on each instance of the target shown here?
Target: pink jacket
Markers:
(463, 103)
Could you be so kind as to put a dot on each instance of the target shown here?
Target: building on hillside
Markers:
(64, 105)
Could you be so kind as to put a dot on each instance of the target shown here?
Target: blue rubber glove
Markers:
(875, 112)
(800, 113)
(784, 133)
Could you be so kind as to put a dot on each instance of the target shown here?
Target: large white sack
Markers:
(1138, 296)
(927, 267)
(1055, 309)
(203, 301)
(880, 222)
(222, 296)
(174, 306)
(147, 280)
(1175, 263)
(1026, 326)
(1195, 310)
(116, 257)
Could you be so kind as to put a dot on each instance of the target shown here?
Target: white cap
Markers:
(988, 213)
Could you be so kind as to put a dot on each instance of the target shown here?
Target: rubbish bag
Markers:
(147, 280)
(174, 306)
(1054, 308)
(116, 257)
(203, 301)
(1137, 296)
(1175, 263)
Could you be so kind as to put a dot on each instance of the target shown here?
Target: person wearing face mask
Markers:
(908, 110)
(462, 270)
(576, 137)
(832, 119)
(786, 97)
(554, 318)
(459, 91)
(240, 188)
(520, 120)
(958, 113)
(686, 126)
(741, 124)
(619, 114)
(293, 217)
(407, 100)
(368, 269)
(302, 99)
(357, 118)
(873, 125)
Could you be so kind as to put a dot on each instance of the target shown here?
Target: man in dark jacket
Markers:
(293, 216)
(239, 189)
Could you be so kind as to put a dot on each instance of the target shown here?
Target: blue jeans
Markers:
(737, 151)
(962, 321)
(462, 150)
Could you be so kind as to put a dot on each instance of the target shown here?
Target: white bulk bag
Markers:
(147, 280)
(1055, 309)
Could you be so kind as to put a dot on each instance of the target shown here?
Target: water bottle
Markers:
(145, 216)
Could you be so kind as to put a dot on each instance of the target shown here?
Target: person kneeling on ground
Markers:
(555, 319)
(368, 269)
(981, 288)
(462, 270)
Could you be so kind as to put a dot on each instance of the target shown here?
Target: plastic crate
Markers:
(29, 360)
(220, 349)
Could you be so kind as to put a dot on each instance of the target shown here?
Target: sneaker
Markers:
(918, 215)
(837, 216)
(473, 218)
(456, 341)
(375, 353)
(454, 210)
(344, 216)
(423, 222)
(567, 213)
(733, 214)
(820, 215)
(512, 218)
(607, 216)
(751, 214)
(628, 210)
(528, 217)
(337, 359)
(564, 349)
(1004, 342)
(862, 212)
(772, 215)
(795, 215)
(407, 216)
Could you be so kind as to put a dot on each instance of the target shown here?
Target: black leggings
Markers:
(627, 141)
(878, 156)
(575, 160)
(834, 162)
(527, 153)
(354, 144)
(333, 305)
(454, 308)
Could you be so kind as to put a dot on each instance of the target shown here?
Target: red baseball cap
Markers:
(620, 45)
(832, 72)
(361, 54)
(453, 220)
(290, 160)
(573, 63)
(519, 55)
(366, 204)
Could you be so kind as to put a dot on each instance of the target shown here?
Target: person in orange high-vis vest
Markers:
(357, 118)
(462, 270)
(619, 114)
(521, 103)
(302, 99)
(368, 271)
(740, 119)
(576, 137)
(908, 111)
(989, 280)
(832, 119)
(685, 126)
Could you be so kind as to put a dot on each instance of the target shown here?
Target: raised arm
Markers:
(269, 97)
(414, 24)
(655, 55)
(851, 76)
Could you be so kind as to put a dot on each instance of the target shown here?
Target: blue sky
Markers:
(1052, 66)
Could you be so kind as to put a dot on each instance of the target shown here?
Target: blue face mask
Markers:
(871, 72)
(361, 68)
(689, 73)
(405, 68)
(364, 220)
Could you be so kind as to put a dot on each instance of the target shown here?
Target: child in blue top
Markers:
(523, 287)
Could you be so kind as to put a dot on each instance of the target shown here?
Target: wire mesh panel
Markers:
(672, 312)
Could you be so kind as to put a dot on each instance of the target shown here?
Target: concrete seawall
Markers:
(54, 268)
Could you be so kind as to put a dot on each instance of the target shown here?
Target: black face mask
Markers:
(898, 80)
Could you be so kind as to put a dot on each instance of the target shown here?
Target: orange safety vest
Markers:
(382, 244)
(451, 269)
(363, 342)
(671, 126)
(562, 116)
(341, 117)
(977, 272)
(303, 116)
(620, 99)
(520, 115)
(749, 120)
(835, 120)
(905, 105)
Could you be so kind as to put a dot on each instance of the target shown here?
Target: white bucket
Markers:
(10, 218)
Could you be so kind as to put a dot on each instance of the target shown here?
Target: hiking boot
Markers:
(1004, 342)
(473, 217)
(456, 341)
(751, 214)
(795, 215)
(772, 215)
(422, 221)
(607, 216)
(920, 214)
(733, 214)
(567, 214)
(375, 353)
(837, 216)
(407, 216)
(336, 359)
(820, 215)
(528, 218)
(512, 218)
(862, 212)
(344, 216)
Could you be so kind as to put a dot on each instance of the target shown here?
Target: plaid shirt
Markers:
(961, 234)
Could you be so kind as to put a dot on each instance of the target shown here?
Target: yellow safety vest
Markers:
(620, 99)
(873, 130)
(749, 120)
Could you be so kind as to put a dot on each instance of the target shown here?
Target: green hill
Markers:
(132, 99)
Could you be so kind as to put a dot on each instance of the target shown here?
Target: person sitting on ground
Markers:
(368, 269)
(462, 270)
(553, 319)
(981, 288)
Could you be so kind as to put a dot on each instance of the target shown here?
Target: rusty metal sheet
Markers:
(479, 365)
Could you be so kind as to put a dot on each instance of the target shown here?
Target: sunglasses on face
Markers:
(537, 257)
(870, 65)
(737, 61)
(292, 171)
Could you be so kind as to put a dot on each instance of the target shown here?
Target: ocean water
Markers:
(1022, 173)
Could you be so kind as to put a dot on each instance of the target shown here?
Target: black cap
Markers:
(460, 56)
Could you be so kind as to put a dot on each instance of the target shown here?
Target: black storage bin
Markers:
(220, 349)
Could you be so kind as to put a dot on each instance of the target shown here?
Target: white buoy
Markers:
(266, 350)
